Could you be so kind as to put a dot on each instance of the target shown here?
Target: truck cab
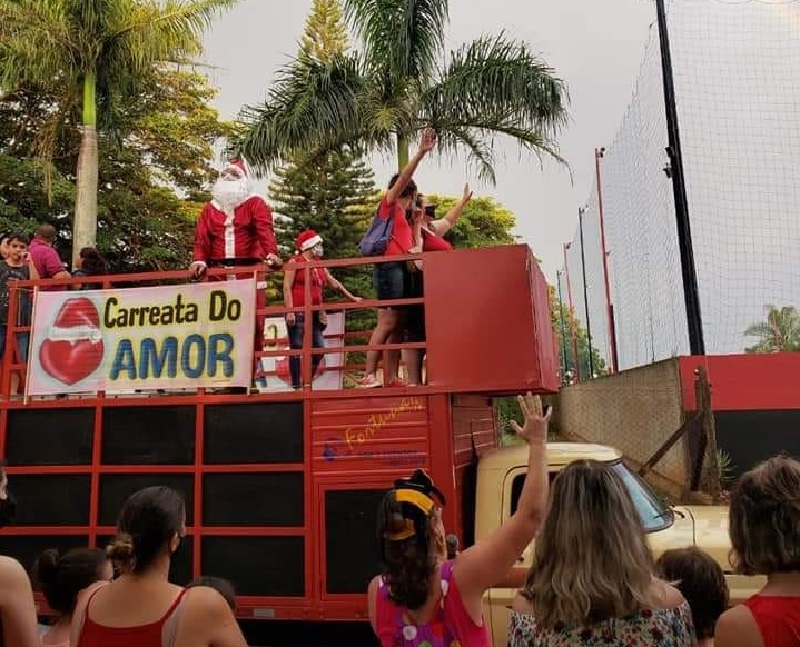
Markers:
(501, 475)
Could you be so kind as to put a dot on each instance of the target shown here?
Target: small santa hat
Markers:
(239, 165)
(307, 239)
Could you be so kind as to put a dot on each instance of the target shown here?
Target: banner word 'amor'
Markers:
(184, 336)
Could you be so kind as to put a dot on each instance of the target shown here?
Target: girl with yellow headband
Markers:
(424, 600)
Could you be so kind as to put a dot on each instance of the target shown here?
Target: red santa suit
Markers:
(239, 233)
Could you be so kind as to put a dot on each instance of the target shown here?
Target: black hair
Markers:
(222, 586)
(62, 576)
(18, 235)
(147, 522)
(411, 187)
(93, 263)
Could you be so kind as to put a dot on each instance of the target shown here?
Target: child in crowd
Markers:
(62, 577)
(16, 266)
(701, 580)
(220, 585)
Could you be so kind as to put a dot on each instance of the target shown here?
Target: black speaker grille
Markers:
(27, 549)
(257, 566)
(254, 433)
(266, 499)
(350, 539)
(51, 499)
(148, 435)
(180, 568)
(50, 436)
(116, 488)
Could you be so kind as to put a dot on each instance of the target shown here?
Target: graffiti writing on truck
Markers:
(377, 422)
(406, 458)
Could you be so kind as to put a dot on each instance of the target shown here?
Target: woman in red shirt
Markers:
(765, 540)
(308, 246)
(389, 277)
(427, 238)
(141, 608)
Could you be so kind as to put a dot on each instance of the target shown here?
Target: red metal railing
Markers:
(12, 364)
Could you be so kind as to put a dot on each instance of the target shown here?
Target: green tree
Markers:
(562, 316)
(168, 141)
(332, 192)
(399, 82)
(780, 332)
(93, 55)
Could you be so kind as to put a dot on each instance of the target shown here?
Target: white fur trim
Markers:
(311, 242)
(230, 234)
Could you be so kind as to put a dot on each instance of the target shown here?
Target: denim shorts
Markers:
(389, 280)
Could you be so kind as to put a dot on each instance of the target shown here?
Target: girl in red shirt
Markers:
(141, 608)
(308, 246)
(765, 538)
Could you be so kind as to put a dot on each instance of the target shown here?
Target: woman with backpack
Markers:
(390, 235)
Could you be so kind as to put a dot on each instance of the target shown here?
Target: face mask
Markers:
(319, 251)
(8, 510)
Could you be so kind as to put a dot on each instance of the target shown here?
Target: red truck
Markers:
(282, 488)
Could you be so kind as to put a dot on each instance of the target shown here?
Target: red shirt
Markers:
(402, 236)
(299, 284)
(778, 619)
(433, 243)
(45, 260)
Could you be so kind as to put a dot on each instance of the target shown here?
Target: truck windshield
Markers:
(653, 513)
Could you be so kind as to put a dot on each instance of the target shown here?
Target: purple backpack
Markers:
(376, 239)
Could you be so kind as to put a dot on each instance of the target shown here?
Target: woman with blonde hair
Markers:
(140, 608)
(765, 540)
(424, 600)
(592, 579)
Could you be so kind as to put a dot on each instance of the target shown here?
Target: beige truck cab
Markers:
(502, 473)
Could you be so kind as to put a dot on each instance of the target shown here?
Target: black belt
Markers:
(233, 262)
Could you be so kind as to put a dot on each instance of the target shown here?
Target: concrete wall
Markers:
(635, 411)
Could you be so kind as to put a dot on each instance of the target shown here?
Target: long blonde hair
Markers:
(591, 560)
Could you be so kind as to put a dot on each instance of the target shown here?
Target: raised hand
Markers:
(467, 195)
(536, 421)
(428, 142)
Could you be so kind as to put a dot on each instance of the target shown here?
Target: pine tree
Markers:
(325, 34)
(334, 195)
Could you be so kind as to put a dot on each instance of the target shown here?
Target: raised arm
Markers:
(426, 146)
(488, 561)
(443, 225)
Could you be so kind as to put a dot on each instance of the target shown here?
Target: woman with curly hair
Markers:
(592, 582)
(765, 540)
(140, 608)
(424, 599)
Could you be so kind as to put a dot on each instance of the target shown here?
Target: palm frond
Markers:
(36, 42)
(311, 105)
(504, 79)
(402, 38)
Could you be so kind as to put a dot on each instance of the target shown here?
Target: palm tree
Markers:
(398, 83)
(89, 56)
(780, 332)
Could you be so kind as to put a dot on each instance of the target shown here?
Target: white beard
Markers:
(231, 193)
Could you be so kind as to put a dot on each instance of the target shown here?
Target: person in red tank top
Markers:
(428, 237)
(765, 537)
(141, 608)
(308, 246)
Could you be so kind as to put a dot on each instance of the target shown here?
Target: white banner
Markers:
(198, 335)
(330, 373)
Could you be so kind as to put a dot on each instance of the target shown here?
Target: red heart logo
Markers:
(74, 348)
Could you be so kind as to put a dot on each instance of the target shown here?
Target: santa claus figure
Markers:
(235, 229)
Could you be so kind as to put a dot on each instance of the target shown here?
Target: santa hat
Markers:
(239, 165)
(307, 239)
